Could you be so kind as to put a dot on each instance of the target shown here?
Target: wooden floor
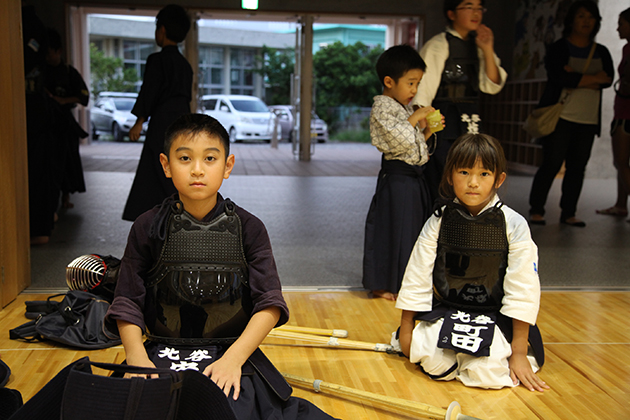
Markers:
(586, 334)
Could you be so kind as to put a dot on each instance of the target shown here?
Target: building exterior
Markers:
(226, 56)
(370, 35)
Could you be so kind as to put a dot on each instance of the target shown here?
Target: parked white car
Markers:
(111, 113)
(244, 117)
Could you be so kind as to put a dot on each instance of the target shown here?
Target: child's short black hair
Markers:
(193, 125)
(398, 60)
(175, 20)
(464, 153)
(452, 5)
(572, 12)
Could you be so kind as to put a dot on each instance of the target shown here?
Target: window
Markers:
(98, 43)
(135, 54)
(242, 63)
(124, 104)
(211, 70)
(210, 104)
(223, 106)
(108, 105)
(249, 106)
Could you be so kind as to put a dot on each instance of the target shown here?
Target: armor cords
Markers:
(471, 259)
(195, 290)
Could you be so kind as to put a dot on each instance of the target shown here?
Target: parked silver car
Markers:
(111, 113)
(319, 128)
(244, 117)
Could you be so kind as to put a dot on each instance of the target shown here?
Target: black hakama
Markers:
(399, 209)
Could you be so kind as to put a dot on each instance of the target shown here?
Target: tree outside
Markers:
(109, 75)
(345, 80)
(276, 66)
(346, 75)
(346, 85)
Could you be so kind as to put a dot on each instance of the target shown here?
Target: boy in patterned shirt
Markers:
(401, 203)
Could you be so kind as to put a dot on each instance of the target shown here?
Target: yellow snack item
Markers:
(434, 120)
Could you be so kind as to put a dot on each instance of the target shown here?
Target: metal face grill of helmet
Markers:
(85, 272)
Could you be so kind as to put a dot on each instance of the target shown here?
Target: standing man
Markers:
(461, 63)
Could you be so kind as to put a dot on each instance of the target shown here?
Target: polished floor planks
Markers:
(587, 342)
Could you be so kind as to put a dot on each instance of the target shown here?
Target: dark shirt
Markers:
(167, 81)
(142, 253)
(165, 96)
(65, 81)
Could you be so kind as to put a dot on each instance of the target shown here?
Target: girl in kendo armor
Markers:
(470, 295)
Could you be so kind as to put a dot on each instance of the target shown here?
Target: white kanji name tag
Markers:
(467, 332)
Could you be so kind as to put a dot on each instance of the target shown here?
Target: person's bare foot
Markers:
(613, 211)
(39, 240)
(65, 202)
(383, 294)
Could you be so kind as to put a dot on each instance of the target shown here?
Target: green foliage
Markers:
(352, 136)
(276, 66)
(365, 124)
(108, 73)
(345, 75)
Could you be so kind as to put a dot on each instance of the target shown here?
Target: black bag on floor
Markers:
(77, 321)
(78, 394)
(37, 308)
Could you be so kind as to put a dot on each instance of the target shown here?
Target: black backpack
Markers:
(76, 321)
(76, 393)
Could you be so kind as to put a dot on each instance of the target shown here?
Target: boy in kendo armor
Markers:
(199, 277)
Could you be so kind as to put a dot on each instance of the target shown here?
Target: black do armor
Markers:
(196, 287)
(471, 259)
(460, 77)
(458, 93)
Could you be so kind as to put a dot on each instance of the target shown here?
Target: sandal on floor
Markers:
(613, 211)
(536, 219)
(575, 222)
